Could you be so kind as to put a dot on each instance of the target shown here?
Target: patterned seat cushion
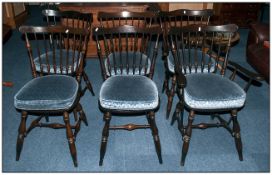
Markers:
(171, 65)
(52, 92)
(49, 58)
(141, 62)
(212, 91)
(129, 92)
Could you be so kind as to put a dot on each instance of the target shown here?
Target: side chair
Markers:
(55, 53)
(203, 87)
(177, 18)
(76, 20)
(127, 72)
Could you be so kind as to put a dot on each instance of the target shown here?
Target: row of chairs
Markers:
(127, 53)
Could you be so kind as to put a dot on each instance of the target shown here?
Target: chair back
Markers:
(198, 48)
(115, 19)
(127, 50)
(68, 18)
(55, 49)
(181, 18)
(185, 17)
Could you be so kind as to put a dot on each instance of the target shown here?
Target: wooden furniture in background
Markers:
(241, 14)
(14, 14)
(94, 8)
(181, 5)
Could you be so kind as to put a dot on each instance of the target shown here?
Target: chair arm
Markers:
(245, 71)
(181, 80)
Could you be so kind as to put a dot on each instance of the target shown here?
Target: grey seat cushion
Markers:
(52, 92)
(212, 91)
(141, 62)
(171, 64)
(129, 92)
(49, 59)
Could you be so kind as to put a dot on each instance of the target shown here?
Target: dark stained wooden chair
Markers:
(71, 19)
(202, 83)
(125, 70)
(56, 53)
(138, 19)
(178, 18)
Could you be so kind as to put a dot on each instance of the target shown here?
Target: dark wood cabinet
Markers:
(241, 14)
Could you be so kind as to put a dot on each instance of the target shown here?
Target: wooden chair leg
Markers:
(236, 134)
(171, 95)
(178, 112)
(77, 125)
(47, 118)
(105, 135)
(82, 115)
(75, 114)
(187, 137)
(21, 135)
(88, 83)
(165, 86)
(70, 137)
(154, 129)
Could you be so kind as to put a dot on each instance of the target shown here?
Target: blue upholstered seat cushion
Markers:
(195, 69)
(133, 60)
(129, 92)
(52, 92)
(212, 91)
(49, 60)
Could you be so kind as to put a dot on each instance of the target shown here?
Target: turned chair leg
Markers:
(78, 123)
(21, 135)
(82, 115)
(70, 137)
(171, 95)
(187, 137)
(88, 83)
(154, 129)
(105, 135)
(236, 134)
(178, 112)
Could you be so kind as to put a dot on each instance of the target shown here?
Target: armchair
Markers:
(257, 54)
(202, 83)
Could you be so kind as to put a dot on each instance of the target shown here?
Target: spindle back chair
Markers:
(115, 19)
(127, 72)
(55, 53)
(203, 87)
(72, 19)
(177, 18)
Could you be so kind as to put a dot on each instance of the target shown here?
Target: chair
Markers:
(55, 53)
(202, 85)
(178, 18)
(115, 19)
(128, 69)
(71, 19)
